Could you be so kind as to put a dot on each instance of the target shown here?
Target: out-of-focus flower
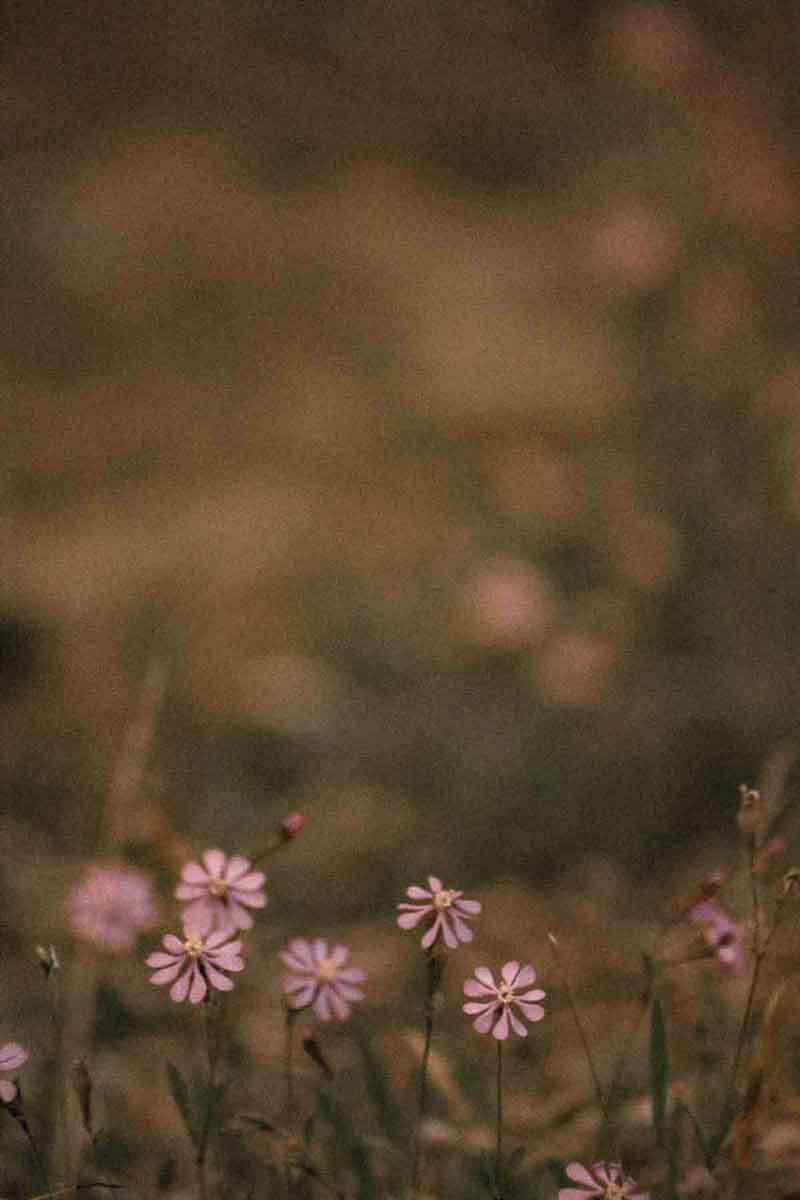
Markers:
(195, 963)
(111, 905)
(318, 979)
(601, 1181)
(220, 893)
(12, 1057)
(291, 825)
(496, 1001)
(510, 604)
(722, 934)
(448, 911)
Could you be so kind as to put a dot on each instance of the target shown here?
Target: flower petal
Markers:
(195, 874)
(435, 884)
(509, 972)
(12, 1056)
(215, 862)
(484, 1022)
(166, 974)
(408, 920)
(473, 988)
(7, 1091)
(500, 1030)
(525, 978)
(486, 976)
(418, 893)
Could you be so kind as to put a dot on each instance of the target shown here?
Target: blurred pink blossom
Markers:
(445, 906)
(111, 905)
(633, 246)
(291, 825)
(220, 893)
(495, 1006)
(601, 1181)
(195, 963)
(511, 604)
(12, 1056)
(319, 979)
(722, 934)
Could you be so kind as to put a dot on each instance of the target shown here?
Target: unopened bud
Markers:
(749, 810)
(291, 825)
(790, 884)
(314, 1052)
(712, 883)
(81, 1082)
(48, 959)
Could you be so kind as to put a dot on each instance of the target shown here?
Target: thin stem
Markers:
(34, 1150)
(435, 971)
(291, 1013)
(498, 1153)
(576, 1017)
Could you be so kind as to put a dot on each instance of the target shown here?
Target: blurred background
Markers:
(418, 383)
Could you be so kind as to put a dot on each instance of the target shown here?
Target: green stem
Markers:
(435, 972)
(498, 1154)
(291, 1013)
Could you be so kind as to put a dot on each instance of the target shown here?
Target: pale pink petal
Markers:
(12, 1056)
(509, 972)
(484, 1023)
(215, 940)
(450, 939)
(418, 893)
(525, 978)
(293, 961)
(516, 1024)
(500, 1030)
(237, 868)
(191, 891)
(193, 873)
(486, 977)
(348, 992)
(159, 958)
(237, 917)
(7, 1091)
(227, 956)
(430, 937)
(463, 932)
(321, 1006)
(578, 1193)
(173, 944)
(578, 1173)
(199, 987)
(180, 987)
(473, 988)
(304, 994)
(535, 994)
(215, 862)
(533, 1012)
(408, 920)
(166, 974)
(251, 899)
(435, 884)
(319, 950)
(302, 950)
(338, 1004)
(351, 975)
(470, 908)
(217, 980)
(339, 955)
(476, 1006)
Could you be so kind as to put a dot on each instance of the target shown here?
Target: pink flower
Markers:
(724, 935)
(195, 964)
(495, 1008)
(602, 1181)
(220, 893)
(111, 905)
(446, 908)
(12, 1056)
(291, 825)
(319, 979)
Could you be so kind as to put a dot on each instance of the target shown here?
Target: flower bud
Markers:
(291, 825)
(749, 810)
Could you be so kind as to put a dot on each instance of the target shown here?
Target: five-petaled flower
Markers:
(12, 1056)
(195, 963)
(448, 911)
(318, 978)
(495, 1002)
(111, 905)
(601, 1181)
(723, 935)
(220, 893)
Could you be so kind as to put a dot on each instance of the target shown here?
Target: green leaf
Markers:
(180, 1094)
(659, 1070)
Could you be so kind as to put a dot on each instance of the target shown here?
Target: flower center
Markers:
(218, 887)
(193, 945)
(614, 1192)
(505, 993)
(326, 971)
(444, 898)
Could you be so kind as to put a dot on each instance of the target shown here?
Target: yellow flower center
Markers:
(444, 898)
(505, 993)
(326, 971)
(193, 945)
(218, 887)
